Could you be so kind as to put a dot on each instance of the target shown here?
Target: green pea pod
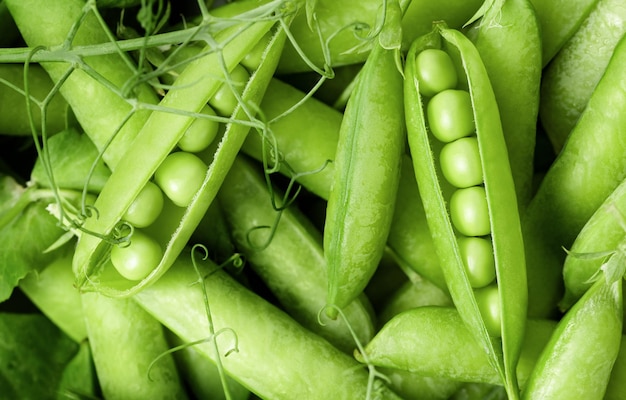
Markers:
(285, 250)
(339, 26)
(577, 362)
(501, 205)
(157, 138)
(99, 119)
(559, 20)
(599, 240)
(274, 357)
(570, 79)
(588, 169)
(509, 42)
(435, 341)
(124, 357)
(367, 171)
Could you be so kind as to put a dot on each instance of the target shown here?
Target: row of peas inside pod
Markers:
(180, 176)
(450, 119)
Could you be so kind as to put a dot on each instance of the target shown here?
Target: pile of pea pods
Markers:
(315, 199)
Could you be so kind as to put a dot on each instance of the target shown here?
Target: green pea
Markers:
(138, 258)
(225, 99)
(180, 176)
(488, 300)
(146, 207)
(435, 72)
(450, 115)
(469, 211)
(460, 162)
(477, 254)
(200, 133)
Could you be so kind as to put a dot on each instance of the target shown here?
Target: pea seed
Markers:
(469, 211)
(450, 115)
(435, 72)
(477, 254)
(460, 162)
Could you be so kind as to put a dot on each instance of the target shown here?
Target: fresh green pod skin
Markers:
(617, 383)
(501, 199)
(577, 362)
(99, 119)
(509, 42)
(339, 18)
(569, 81)
(435, 341)
(201, 374)
(604, 232)
(558, 21)
(13, 114)
(306, 138)
(123, 356)
(367, 172)
(292, 264)
(298, 364)
(590, 166)
(161, 133)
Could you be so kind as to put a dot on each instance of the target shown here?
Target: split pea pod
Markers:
(367, 170)
(509, 42)
(588, 169)
(193, 88)
(577, 362)
(465, 181)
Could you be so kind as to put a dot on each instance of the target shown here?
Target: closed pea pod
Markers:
(367, 171)
(577, 362)
(492, 215)
(284, 249)
(570, 79)
(601, 237)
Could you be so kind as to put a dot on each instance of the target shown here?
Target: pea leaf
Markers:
(24, 240)
(72, 157)
(33, 356)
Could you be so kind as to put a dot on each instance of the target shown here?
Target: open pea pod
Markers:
(191, 91)
(495, 313)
